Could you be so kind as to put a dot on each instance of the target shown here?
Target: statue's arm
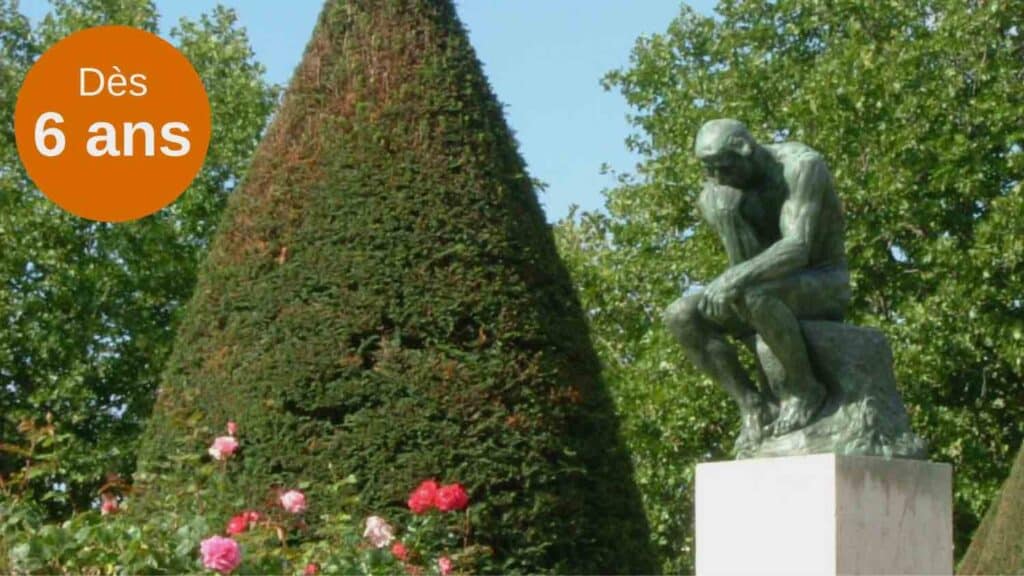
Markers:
(808, 179)
(720, 207)
(705, 203)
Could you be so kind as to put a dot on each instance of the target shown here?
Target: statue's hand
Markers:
(718, 298)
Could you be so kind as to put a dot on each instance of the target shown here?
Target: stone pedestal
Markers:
(824, 514)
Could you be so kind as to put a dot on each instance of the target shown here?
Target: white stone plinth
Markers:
(824, 514)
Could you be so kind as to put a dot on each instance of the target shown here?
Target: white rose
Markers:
(378, 532)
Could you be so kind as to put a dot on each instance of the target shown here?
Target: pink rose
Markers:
(109, 504)
(423, 497)
(451, 497)
(232, 429)
(444, 564)
(398, 550)
(221, 554)
(311, 570)
(294, 501)
(223, 447)
(378, 532)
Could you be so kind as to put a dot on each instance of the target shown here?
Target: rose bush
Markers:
(113, 537)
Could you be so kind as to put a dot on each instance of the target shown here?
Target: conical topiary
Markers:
(384, 298)
(998, 543)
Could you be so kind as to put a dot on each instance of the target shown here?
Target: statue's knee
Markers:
(681, 319)
(672, 317)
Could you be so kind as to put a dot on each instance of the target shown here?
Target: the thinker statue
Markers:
(777, 213)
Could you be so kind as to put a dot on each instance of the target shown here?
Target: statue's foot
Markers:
(795, 412)
(755, 424)
(747, 442)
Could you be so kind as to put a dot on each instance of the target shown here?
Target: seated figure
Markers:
(776, 211)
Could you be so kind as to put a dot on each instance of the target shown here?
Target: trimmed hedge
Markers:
(384, 298)
(998, 543)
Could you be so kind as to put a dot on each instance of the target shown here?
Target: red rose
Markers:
(109, 505)
(451, 497)
(399, 551)
(238, 524)
(423, 497)
(311, 569)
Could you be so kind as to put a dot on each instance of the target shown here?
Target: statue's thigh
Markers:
(811, 294)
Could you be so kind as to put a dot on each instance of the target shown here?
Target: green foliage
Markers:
(89, 543)
(385, 296)
(88, 310)
(918, 109)
(998, 543)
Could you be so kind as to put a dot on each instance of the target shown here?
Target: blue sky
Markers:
(544, 59)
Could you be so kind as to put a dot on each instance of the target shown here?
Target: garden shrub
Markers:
(998, 544)
(384, 297)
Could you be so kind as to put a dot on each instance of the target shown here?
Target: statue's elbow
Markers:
(800, 253)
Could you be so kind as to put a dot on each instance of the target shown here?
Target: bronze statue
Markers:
(777, 213)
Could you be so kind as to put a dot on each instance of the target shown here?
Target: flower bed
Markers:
(196, 534)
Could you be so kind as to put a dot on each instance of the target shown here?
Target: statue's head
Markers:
(726, 149)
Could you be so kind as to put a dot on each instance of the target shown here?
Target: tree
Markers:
(916, 107)
(998, 545)
(384, 299)
(87, 309)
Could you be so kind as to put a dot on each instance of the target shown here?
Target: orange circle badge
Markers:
(112, 123)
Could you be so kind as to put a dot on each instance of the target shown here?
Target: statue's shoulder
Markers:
(800, 161)
(793, 154)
